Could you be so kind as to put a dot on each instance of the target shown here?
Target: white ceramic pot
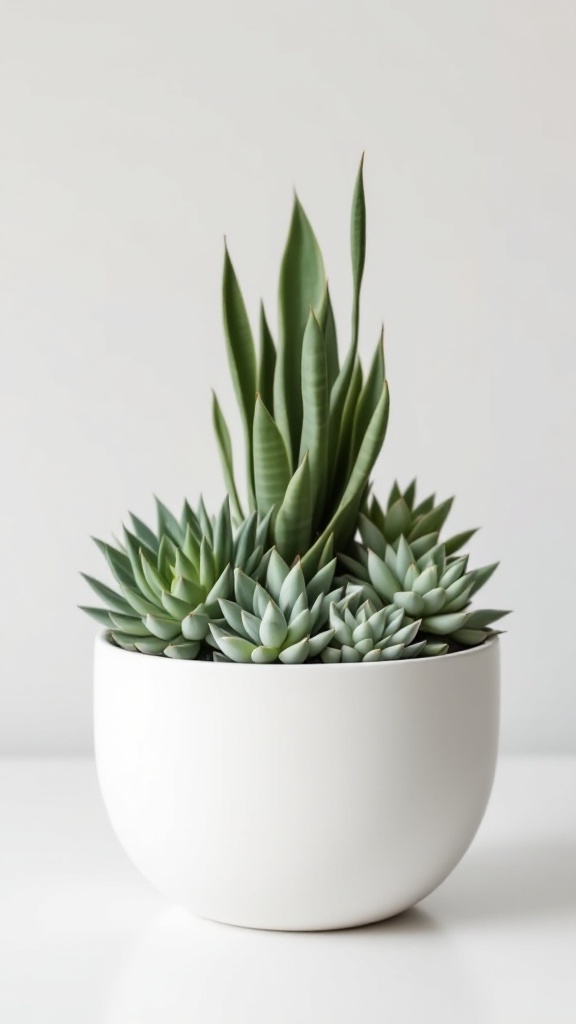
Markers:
(296, 797)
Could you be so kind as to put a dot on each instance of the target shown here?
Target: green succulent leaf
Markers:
(302, 285)
(293, 527)
(226, 456)
(272, 472)
(241, 352)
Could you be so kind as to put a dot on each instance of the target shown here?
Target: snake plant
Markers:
(313, 428)
(170, 580)
(283, 619)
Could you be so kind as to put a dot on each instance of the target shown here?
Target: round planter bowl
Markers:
(296, 797)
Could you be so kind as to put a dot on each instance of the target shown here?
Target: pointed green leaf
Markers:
(315, 408)
(267, 365)
(302, 285)
(293, 527)
(226, 456)
(271, 464)
(328, 328)
(358, 246)
(106, 594)
(241, 353)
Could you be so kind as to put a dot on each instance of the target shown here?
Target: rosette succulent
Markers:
(434, 588)
(283, 619)
(363, 632)
(170, 581)
(420, 523)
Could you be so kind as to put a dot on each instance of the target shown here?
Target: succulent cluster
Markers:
(314, 568)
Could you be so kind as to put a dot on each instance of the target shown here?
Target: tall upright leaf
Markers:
(293, 527)
(267, 364)
(241, 355)
(226, 456)
(369, 399)
(314, 438)
(271, 464)
(302, 285)
(328, 325)
(358, 246)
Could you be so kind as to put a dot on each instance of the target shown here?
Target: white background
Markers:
(132, 136)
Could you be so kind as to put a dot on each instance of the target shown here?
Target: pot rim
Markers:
(103, 640)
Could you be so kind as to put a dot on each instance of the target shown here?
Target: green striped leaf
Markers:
(328, 327)
(358, 247)
(293, 526)
(369, 397)
(226, 456)
(302, 285)
(241, 353)
(267, 364)
(271, 464)
(315, 399)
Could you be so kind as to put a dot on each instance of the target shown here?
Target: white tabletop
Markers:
(84, 939)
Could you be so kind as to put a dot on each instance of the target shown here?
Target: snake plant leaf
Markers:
(358, 246)
(226, 456)
(267, 363)
(302, 285)
(368, 400)
(369, 449)
(315, 409)
(344, 453)
(241, 352)
(272, 472)
(328, 328)
(293, 527)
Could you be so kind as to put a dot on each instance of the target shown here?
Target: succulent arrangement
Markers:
(313, 568)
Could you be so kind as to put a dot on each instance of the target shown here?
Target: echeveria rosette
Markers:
(363, 632)
(282, 619)
(433, 588)
(420, 523)
(170, 581)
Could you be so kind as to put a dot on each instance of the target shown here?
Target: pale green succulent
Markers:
(313, 429)
(420, 523)
(365, 632)
(282, 619)
(170, 581)
(434, 588)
